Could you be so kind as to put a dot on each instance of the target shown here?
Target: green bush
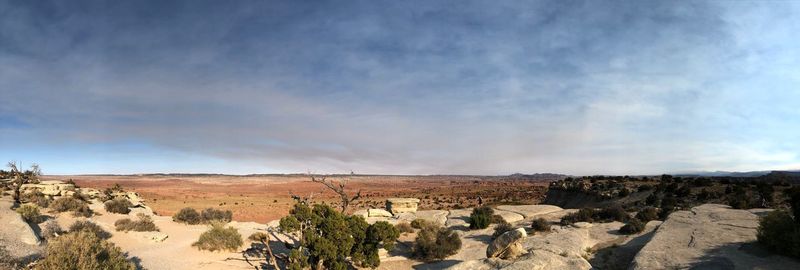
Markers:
(143, 224)
(210, 214)
(218, 237)
(119, 206)
(540, 225)
(89, 226)
(647, 214)
(583, 215)
(436, 243)
(501, 228)
(633, 226)
(83, 250)
(481, 217)
(780, 233)
(187, 215)
(30, 213)
(612, 213)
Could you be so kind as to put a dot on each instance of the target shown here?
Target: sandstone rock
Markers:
(362, 212)
(710, 236)
(508, 216)
(508, 245)
(91, 193)
(157, 237)
(530, 211)
(458, 218)
(435, 216)
(49, 188)
(582, 225)
(402, 205)
(378, 213)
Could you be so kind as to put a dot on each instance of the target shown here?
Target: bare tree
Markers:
(21, 177)
(337, 187)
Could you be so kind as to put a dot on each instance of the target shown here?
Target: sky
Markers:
(400, 87)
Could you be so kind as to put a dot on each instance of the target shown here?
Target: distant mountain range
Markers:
(737, 174)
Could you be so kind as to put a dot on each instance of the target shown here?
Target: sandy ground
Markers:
(267, 197)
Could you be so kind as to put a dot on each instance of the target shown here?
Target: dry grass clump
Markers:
(540, 225)
(404, 227)
(89, 226)
(119, 206)
(143, 224)
(633, 226)
(259, 236)
(83, 250)
(30, 213)
(51, 230)
(219, 237)
(79, 207)
(501, 228)
(36, 197)
(421, 223)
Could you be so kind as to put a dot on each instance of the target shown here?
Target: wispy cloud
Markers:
(401, 87)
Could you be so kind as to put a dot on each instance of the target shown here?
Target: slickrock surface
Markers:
(530, 211)
(15, 234)
(402, 205)
(710, 236)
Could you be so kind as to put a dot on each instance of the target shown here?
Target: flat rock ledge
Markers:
(710, 236)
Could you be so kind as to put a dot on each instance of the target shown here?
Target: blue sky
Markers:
(400, 87)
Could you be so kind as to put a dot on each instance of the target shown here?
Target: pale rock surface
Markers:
(458, 218)
(15, 234)
(378, 213)
(49, 188)
(530, 211)
(709, 236)
(435, 216)
(508, 245)
(402, 205)
(509, 216)
(361, 212)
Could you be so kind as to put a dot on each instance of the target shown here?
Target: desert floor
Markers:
(264, 198)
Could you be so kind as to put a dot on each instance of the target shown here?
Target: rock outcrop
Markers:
(378, 213)
(709, 236)
(49, 188)
(530, 211)
(15, 234)
(508, 245)
(402, 205)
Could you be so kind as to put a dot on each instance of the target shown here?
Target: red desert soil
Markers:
(263, 198)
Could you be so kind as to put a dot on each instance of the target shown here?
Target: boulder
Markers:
(435, 216)
(530, 211)
(49, 188)
(402, 205)
(509, 217)
(709, 236)
(508, 245)
(378, 213)
(91, 193)
(363, 212)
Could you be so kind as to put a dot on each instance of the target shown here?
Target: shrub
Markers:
(540, 225)
(36, 197)
(421, 223)
(218, 237)
(119, 206)
(404, 227)
(144, 224)
(30, 213)
(79, 208)
(613, 213)
(779, 232)
(481, 217)
(436, 243)
(64, 204)
(51, 230)
(89, 226)
(211, 214)
(624, 192)
(583, 215)
(83, 250)
(632, 227)
(187, 215)
(501, 228)
(259, 236)
(647, 214)
(6, 260)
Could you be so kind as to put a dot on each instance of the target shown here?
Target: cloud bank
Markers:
(410, 87)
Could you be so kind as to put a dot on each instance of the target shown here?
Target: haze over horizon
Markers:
(400, 87)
